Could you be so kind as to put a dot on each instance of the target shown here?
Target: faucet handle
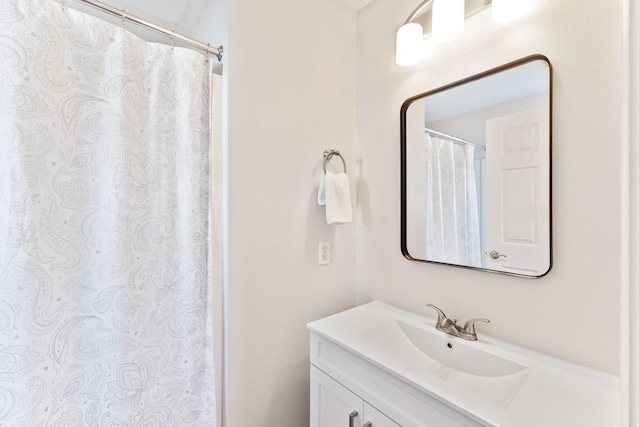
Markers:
(469, 327)
(441, 315)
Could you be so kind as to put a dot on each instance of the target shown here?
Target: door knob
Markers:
(496, 255)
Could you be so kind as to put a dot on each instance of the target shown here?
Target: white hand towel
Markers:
(335, 194)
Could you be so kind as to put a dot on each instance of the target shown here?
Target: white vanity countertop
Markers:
(551, 393)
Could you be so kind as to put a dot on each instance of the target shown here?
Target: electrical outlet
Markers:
(324, 253)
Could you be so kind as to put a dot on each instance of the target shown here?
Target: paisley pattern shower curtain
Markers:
(104, 223)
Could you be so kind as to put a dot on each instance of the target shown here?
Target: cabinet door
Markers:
(377, 418)
(333, 405)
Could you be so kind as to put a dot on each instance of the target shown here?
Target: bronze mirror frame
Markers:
(403, 161)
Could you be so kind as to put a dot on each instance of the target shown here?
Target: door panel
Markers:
(518, 223)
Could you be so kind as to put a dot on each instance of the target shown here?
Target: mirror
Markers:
(476, 171)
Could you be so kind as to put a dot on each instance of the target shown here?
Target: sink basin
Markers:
(383, 351)
(459, 355)
(423, 354)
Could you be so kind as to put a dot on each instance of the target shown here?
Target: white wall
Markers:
(290, 92)
(573, 312)
(290, 67)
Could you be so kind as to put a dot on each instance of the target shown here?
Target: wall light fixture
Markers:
(447, 22)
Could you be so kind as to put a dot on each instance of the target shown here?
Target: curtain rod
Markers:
(453, 138)
(217, 51)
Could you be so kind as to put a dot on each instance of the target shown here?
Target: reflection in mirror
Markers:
(476, 171)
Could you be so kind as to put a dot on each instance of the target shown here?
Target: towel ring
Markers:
(328, 155)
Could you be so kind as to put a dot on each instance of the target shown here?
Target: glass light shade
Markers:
(447, 19)
(409, 45)
(509, 10)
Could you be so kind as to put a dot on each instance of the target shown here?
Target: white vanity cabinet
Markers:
(377, 418)
(379, 366)
(333, 405)
(342, 382)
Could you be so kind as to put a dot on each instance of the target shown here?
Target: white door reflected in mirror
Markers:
(517, 211)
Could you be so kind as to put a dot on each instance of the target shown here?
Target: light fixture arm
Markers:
(447, 23)
(417, 10)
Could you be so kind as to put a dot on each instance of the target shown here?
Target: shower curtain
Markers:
(105, 311)
(453, 231)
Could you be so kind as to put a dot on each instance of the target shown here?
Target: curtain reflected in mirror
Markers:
(476, 171)
(452, 225)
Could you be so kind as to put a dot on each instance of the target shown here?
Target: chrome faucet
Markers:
(444, 324)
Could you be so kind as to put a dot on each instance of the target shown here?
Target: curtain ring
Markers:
(171, 39)
(62, 3)
(208, 52)
(124, 17)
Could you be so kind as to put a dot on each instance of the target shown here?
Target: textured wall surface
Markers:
(291, 94)
(572, 313)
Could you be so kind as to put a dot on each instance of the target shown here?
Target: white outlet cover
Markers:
(324, 253)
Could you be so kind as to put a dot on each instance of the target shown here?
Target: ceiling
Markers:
(166, 12)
